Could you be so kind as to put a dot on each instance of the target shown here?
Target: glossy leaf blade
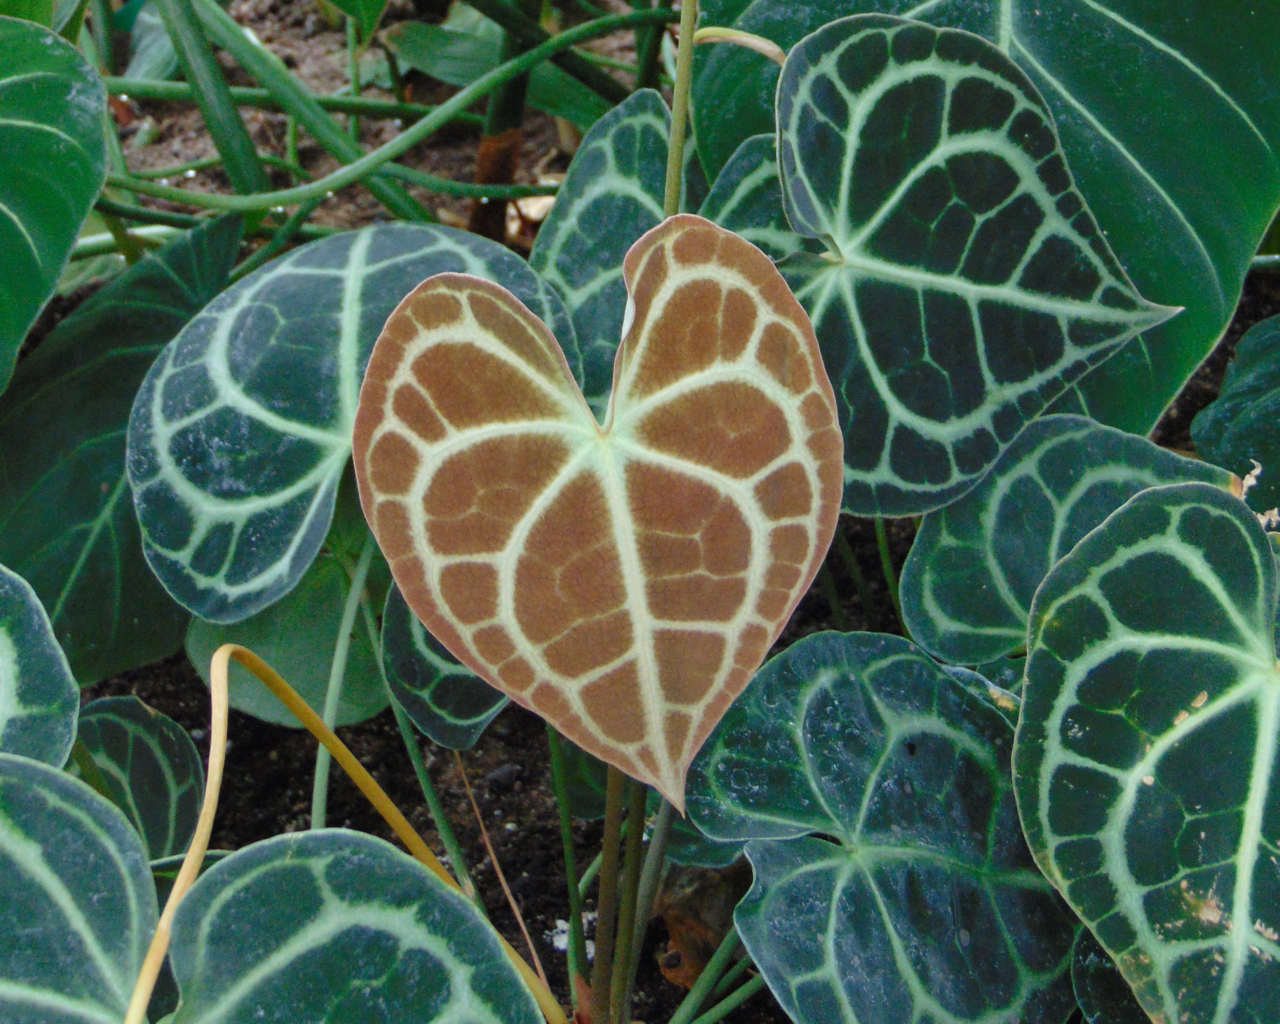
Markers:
(242, 429)
(968, 285)
(52, 164)
(38, 696)
(622, 582)
(66, 519)
(151, 767)
(968, 582)
(444, 698)
(1239, 427)
(611, 196)
(77, 898)
(1145, 767)
(1169, 115)
(917, 899)
(339, 926)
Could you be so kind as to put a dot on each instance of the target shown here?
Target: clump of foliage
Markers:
(944, 260)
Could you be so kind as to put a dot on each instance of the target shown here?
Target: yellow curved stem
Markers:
(364, 782)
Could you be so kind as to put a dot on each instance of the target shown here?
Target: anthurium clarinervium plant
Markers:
(948, 260)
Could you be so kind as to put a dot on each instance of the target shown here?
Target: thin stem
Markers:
(373, 793)
(201, 69)
(607, 901)
(559, 786)
(142, 213)
(731, 976)
(131, 248)
(648, 50)
(828, 584)
(180, 92)
(353, 75)
(886, 564)
(115, 155)
(146, 983)
(178, 170)
(291, 142)
(297, 100)
(590, 873)
(1265, 263)
(88, 768)
(286, 233)
(637, 795)
(497, 870)
(731, 1003)
(845, 550)
(153, 236)
(716, 966)
(654, 861)
(402, 143)
(337, 671)
(680, 108)
(444, 829)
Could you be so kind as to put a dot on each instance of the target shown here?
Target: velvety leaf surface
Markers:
(611, 196)
(1240, 426)
(467, 45)
(1169, 115)
(66, 519)
(1100, 989)
(242, 429)
(76, 897)
(52, 153)
(152, 770)
(445, 699)
(38, 696)
(1145, 766)
(624, 581)
(891, 879)
(747, 199)
(339, 926)
(967, 285)
(968, 582)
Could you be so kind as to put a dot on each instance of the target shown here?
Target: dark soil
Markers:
(267, 787)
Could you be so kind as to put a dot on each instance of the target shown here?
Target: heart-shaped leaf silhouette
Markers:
(623, 581)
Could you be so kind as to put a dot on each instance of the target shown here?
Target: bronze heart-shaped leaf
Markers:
(622, 581)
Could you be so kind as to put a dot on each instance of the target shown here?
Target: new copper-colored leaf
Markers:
(622, 581)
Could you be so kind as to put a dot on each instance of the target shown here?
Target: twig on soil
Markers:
(497, 870)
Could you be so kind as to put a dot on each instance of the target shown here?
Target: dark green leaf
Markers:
(296, 636)
(38, 696)
(337, 926)
(1101, 991)
(152, 770)
(52, 164)
(611, 196)
(242, 429)
(468, 45)
(1145, 766)
(892, 882)
(967, 285)
(66, 519)
(747, 199)
(974, 567)
(76, 897)
(1169, 115)
(1241, 425)
(445, 699)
